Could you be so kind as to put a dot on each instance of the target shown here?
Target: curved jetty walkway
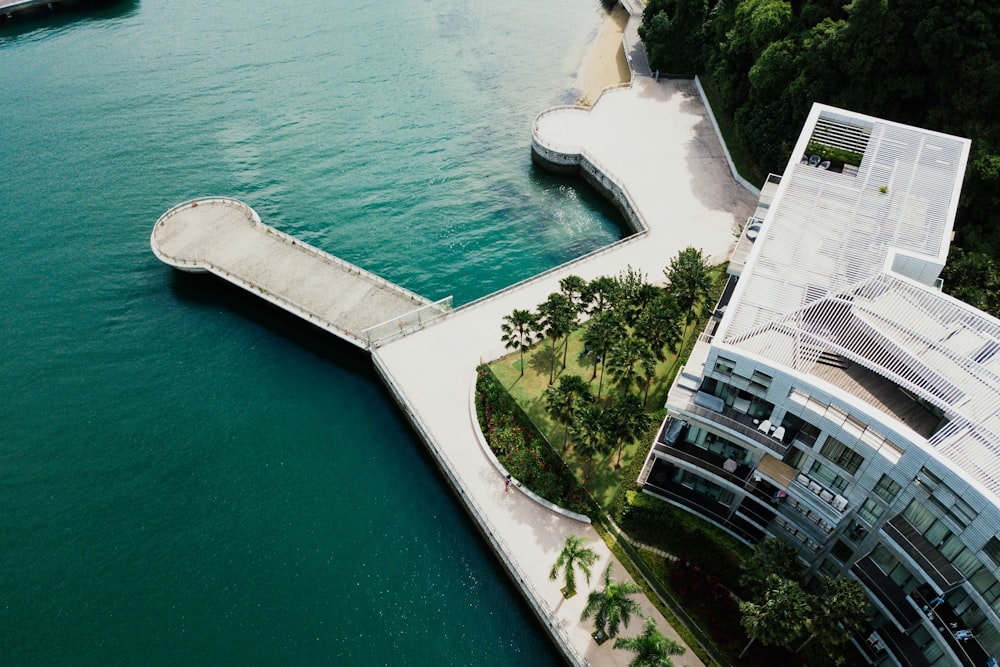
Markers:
(226, 237)
(650, 147)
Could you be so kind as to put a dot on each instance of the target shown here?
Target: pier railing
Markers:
(407, 323)
(423, 312)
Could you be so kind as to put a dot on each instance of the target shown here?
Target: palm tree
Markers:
(557, 319)
(659, 327)
(781, 617)
(574, 288)
(626, 354)
(688, 278)
(573, 555)
(602, 332)
(590, 436)
(652, 649)
(611, 606)
(519, 329)
(601, 294)
(627, 420)
(632, 294)
(563, 399)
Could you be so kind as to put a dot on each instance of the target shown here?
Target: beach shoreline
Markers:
(604, 64)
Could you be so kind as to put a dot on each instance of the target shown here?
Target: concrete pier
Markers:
(226, 237)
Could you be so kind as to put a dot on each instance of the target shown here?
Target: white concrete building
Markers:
(840, 401)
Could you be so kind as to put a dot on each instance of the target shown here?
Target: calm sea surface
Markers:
(187, 476)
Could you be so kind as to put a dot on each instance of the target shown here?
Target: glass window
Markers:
(887, 489)
(760, 382)
(798, 397)
(842, 455)
(724, 366)
(962, 513)
(871, 511)
(918, 514)
(853, 427)
(890, 452)
(992, 549)
(927, 480)
(828, 476)
(794, 457)
(835, 415)
(808, 434)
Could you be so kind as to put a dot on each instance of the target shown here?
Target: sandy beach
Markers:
(604, 64)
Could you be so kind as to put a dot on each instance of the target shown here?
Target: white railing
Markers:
(407, 323)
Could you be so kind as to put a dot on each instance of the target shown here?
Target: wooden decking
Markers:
(226, 237)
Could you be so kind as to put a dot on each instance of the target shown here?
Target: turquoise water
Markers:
(186, 475)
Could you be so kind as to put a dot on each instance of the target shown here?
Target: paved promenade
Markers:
(656, 139)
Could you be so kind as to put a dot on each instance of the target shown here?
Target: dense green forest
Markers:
(930, 63)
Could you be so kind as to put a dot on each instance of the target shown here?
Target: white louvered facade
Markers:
(847, 264)
(843, 403)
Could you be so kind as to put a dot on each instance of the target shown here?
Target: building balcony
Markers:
(660, 482)
(833, 505)
(724, 467)
(967, 649)
(886, 593)
(937, 568)
(904, 649)
(710, 409)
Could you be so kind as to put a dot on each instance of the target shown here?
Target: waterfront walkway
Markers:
(656, 138)
(226, 237)
(653, 149)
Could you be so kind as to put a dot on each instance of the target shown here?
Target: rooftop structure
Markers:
(841, 401)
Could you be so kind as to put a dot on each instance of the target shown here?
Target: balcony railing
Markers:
(731, 420)
(886, 592)
(924, 554)
(660, 483)
(965, 646)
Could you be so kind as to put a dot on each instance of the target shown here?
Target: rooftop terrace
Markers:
(846, 265)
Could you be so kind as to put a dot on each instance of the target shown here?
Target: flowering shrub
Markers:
(522, 449)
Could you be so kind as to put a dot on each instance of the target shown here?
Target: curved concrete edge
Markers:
(485, 446)
(537, 604)
(193, 266)
(575, 160)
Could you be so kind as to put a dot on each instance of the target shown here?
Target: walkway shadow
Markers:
(62, 16)
(210, 292)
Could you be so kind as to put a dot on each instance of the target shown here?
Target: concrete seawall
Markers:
(578, 164)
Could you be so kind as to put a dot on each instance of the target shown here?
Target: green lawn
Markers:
(528, 390)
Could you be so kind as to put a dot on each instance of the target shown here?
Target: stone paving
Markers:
(655, 138)
(226, 237)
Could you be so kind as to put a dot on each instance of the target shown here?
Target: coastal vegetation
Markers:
(585, 404)
(599, 426)
(927, 63)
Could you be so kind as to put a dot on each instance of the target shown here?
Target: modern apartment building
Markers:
(840, 401)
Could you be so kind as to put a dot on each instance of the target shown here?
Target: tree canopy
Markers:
(928, 63)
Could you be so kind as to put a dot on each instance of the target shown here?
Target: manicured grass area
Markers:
(697, 586)
(529, 392)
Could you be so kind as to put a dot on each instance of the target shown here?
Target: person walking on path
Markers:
(506, 484)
